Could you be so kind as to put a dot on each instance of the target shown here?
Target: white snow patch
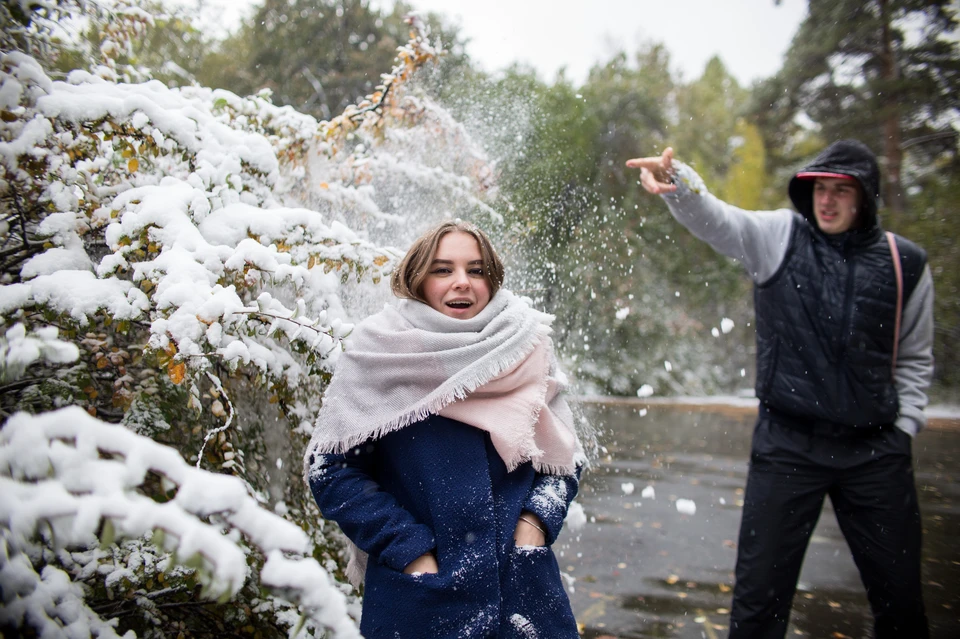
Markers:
(686, 507)
(645, 391)
(576, 517)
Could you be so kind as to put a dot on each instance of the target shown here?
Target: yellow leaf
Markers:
(380, 260)
(176, 371)
(133, 165)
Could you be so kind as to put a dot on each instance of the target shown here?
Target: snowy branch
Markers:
(79, 477)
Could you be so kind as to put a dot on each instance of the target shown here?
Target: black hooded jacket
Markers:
(825, 319)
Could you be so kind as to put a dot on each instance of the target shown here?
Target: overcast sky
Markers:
(750, 36)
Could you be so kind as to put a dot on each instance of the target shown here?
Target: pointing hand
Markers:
(656, 173)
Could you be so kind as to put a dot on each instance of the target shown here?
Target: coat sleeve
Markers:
(549, 499)
(346, 493)
(914, 371)
(757, 239)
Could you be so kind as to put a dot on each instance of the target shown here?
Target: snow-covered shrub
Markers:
(73, 481)
(184, 265)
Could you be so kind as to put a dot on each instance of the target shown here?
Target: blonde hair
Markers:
(408, 278)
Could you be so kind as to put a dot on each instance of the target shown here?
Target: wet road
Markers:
(646, 568)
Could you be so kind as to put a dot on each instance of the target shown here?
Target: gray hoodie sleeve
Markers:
(914, 371)
(758, 239)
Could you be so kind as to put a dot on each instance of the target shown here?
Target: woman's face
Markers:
(455, 283)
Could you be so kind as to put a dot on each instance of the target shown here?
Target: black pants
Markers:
(870, 482)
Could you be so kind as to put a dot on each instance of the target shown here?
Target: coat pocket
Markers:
(396, 605)
(534, 599)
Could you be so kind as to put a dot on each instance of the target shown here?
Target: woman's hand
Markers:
(424, 564)
(656, 173)
(529, 531)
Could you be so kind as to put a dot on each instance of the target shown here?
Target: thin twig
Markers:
(20, 214)
(216, 431)
(373, 107)
(28, 246)
(291, 320)
(17, 385)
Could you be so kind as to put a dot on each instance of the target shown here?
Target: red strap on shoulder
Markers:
(898, 270)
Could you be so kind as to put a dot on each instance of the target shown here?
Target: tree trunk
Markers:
(892, 134)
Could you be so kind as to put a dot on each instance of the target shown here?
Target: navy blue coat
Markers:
(439, 485)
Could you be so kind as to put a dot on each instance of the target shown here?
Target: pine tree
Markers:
(883, 71)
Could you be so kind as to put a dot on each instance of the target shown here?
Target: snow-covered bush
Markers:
(181, 268)
(72, 481)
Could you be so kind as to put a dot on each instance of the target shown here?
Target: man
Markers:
(841, 386)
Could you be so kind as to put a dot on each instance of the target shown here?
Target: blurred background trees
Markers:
(884, 71)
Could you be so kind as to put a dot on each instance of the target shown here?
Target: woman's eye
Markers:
(476, 271)
(440, 271)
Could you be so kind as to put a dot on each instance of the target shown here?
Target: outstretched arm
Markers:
(758, 239)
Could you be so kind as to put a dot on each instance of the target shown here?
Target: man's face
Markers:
(836, 202)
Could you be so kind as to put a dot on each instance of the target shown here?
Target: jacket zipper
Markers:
(848, 307)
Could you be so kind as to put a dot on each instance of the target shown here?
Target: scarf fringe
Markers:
(556, 469)
(531, 447)
(459, 391)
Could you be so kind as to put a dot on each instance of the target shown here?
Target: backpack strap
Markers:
(898, 269)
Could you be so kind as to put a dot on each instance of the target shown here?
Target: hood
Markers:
(846, 157)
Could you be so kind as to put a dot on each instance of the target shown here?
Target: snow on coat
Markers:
(439, 485)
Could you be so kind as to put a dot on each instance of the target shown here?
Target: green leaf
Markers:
(108, 535)
(300, 624)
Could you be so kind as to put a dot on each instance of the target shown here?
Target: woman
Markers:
(446, 454)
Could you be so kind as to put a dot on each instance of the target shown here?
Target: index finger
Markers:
(651, 163)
